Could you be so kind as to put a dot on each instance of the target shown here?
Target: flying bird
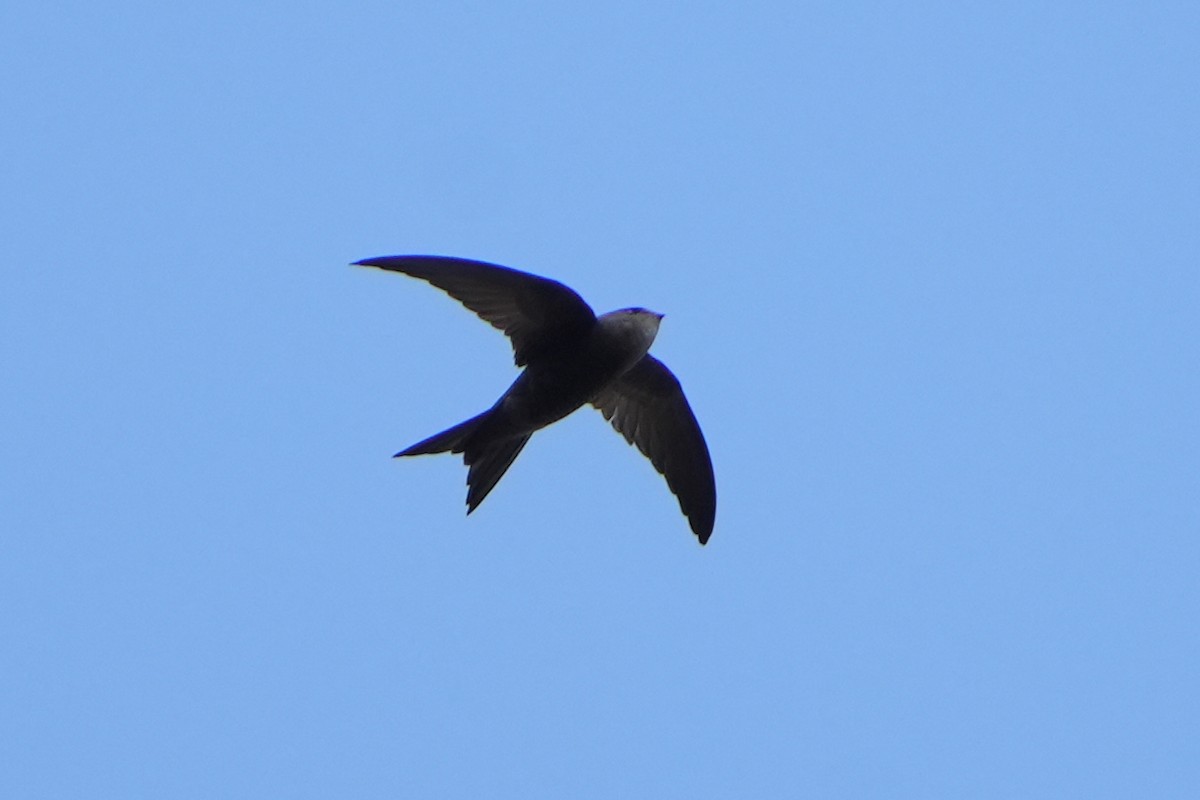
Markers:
(571, 358)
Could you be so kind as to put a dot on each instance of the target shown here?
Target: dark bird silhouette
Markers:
(570, 357)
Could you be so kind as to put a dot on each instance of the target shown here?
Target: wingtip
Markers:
(381, 262)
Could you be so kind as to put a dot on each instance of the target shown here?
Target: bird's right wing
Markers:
(536, 313)
(646, 405)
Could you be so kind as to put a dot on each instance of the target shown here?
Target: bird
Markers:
(570, 358)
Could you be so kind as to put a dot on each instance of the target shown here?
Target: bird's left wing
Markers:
(536, 313)
(646, 405)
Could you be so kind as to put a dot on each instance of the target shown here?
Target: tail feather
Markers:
(486, 457)
(487, 467)
(451, 440)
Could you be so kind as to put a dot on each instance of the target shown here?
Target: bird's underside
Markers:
(571, 358)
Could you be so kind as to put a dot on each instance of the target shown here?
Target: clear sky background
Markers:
(932, 281)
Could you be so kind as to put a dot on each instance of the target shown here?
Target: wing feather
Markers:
(647, 406)
(536, 313)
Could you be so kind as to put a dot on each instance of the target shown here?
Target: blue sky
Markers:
(931, 282)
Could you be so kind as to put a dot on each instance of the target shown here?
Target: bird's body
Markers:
(570, 358)
(555, 385)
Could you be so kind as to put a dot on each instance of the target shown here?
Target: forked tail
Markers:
(486, 457)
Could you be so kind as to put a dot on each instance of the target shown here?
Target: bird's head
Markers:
(632, 330)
